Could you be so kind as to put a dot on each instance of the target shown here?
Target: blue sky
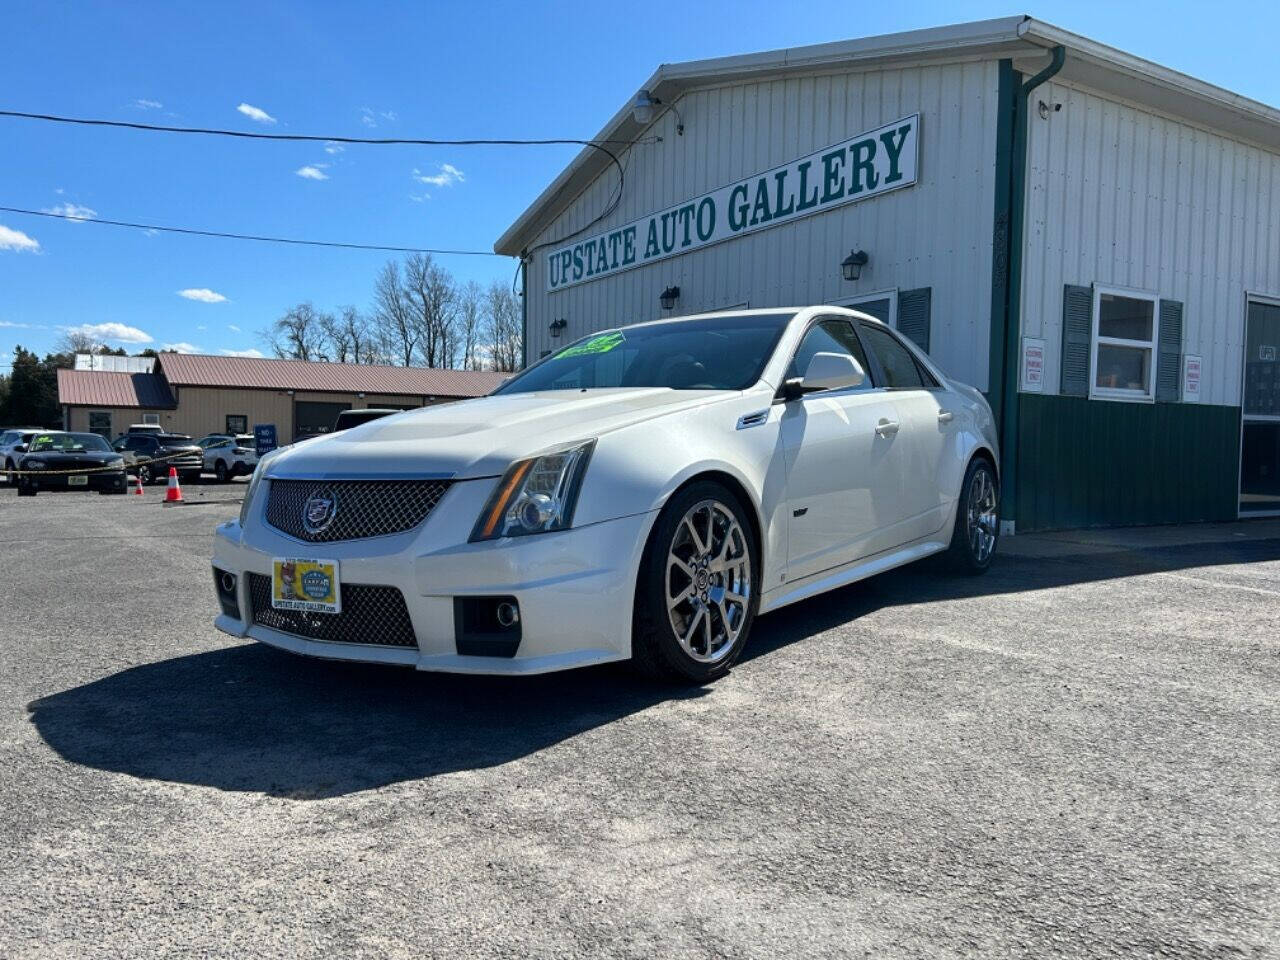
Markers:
(383, 69)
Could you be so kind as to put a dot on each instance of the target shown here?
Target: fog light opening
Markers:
(508, 614)
(228, 582)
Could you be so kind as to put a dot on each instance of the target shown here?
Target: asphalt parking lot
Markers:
(1075, 756)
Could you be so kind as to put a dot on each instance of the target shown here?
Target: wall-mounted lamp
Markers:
(359, 396)
(851, 266)
(556, 326)
(668, 297)
(644, 107)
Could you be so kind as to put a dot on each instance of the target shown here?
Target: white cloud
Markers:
(314, 171)
(389, 115)
(17, 241)
(149, 232)
(242, 353)
(202, 327)
(182, 347)
(332, 148)
(202, 294)
(10, 325)
(233, 328)
(256, 113)
(144, 104)
(447, 177)
(367, 117)
(419, 197)
(71, 211)
(118, 332)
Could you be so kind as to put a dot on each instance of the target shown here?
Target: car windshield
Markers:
(69, 443)
(245, 440)
(712, 353)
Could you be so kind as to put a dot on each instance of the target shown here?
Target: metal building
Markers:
(1090, 238)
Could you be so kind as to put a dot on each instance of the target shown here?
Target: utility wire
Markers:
(599, 145)
(190, 231)
(312, 138)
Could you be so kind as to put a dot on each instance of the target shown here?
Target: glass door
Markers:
(1260, 431)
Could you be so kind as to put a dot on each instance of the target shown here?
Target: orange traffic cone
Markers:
(174, 493)
(137, 491)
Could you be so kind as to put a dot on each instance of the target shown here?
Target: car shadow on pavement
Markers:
(250, 718)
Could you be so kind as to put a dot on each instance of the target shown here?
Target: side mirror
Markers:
(20, 448)
(832, 371)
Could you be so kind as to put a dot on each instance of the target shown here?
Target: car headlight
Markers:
(34, 464)
(536, 495)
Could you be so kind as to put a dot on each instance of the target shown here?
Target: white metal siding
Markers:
(935, 234)
(1119, 196)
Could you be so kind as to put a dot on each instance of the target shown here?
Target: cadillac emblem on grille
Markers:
(319, 511)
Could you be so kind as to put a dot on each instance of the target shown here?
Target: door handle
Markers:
(945, 416)
(886, 428)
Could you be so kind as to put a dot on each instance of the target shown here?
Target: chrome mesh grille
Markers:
(365, 508)
(373, 616)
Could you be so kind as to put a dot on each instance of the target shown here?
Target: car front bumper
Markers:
(574, 588)
(102, 481)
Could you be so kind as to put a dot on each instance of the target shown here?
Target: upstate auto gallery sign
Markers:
(864, 166)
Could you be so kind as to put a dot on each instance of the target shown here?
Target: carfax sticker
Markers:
(308, 585)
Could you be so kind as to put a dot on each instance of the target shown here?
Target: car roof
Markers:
(748, 312)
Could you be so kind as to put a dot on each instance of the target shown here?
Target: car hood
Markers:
(481, 437)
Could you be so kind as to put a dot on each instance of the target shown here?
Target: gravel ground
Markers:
(1074, 756)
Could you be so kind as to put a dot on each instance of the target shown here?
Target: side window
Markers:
(829, 336)
(899, 367)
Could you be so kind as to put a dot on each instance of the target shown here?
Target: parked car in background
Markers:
(353, 418)
(13, 444)
(52, 453)
(227, 456)
(641, 494)
(145, 428)
(150, 455)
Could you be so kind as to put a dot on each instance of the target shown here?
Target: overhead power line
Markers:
(313, 138)
(191, 231)
(600, 145)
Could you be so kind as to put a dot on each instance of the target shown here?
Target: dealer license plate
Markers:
(77, 480)
(302, 584)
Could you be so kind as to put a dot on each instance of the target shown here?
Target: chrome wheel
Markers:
(708, 581)
(983, 518)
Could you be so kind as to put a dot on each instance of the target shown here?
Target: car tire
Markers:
(977, 528)
(9, 477)
(696, 595)
(220, 471)
(26, 489)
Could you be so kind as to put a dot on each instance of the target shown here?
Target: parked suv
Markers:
(171, 449)
(228, 456)
(13, 444)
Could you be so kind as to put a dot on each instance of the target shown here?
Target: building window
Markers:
(1124, 345)
(237, 423)
(151, 418)
(100, 423)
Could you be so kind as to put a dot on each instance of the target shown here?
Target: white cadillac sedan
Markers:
(642, 494)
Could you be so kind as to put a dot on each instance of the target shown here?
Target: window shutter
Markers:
(1077, 331)
(913, 315)
(874, 308)
(1169, 353)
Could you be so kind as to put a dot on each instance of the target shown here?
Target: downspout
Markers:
(1010, 361)
(524, 309)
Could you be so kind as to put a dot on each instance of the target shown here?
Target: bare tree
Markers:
(77, 341)
(299, 334)
(504, 327)
(431, 290)
(393, 315)
(470, 314)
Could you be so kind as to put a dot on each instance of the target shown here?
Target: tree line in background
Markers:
(420, 316)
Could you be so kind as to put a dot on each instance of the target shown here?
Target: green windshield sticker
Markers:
(601, 344)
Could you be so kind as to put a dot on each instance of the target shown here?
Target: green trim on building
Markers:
(1096, 463)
